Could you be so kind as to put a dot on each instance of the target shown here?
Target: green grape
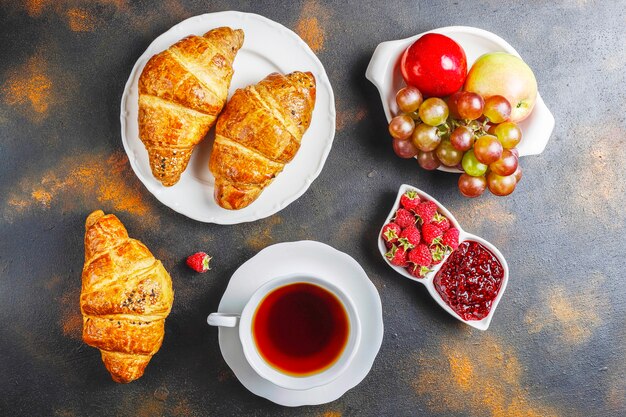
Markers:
(434, 111)
(448, 156)
(425, 137)
(473, 166)
(509, 134)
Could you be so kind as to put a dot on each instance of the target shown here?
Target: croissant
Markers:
(258, 133)
(181, 92)
(126, 296)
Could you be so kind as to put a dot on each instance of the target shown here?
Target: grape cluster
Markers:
(464, 131)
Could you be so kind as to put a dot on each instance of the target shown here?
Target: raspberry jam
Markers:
(470, 280)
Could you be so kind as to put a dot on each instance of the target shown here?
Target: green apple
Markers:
(500, 73)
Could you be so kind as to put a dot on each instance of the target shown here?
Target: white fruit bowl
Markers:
(427, 281)
(384, 72)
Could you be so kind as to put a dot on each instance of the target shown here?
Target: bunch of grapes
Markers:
(466, 132)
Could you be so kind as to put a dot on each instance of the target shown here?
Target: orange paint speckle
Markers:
(30, 88)
(310, 26)
(478, 378)
(261, 236)
(80, 20)
(350, 116)
(331, 414)
(572, 315)
(35, 7)
(78, 183)
(71, 321)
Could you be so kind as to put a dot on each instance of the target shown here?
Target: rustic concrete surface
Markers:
(558, 342)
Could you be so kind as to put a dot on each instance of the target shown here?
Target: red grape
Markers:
(469, 106)
(409, 99)
(488, 149)
(428, 160)
(447, 154)
(434, 111)
(501, 185)
(509, 134)
(518, 173)
(452, 105)
(462, 138)
(404, 148)
(426, 137)
(497, 109)
(401, 127)
(506, 165)
(472, 186)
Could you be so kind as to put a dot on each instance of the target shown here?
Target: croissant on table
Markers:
(258, 132)
(126, 296)
(181, 92)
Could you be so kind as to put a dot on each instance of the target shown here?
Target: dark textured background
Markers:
(557, 344)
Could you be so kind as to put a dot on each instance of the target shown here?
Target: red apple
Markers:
(500, 73)
(435, 64)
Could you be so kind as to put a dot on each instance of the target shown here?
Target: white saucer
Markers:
(304, 257)
(268, 47)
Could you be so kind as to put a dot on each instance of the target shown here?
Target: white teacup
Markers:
(258, 363)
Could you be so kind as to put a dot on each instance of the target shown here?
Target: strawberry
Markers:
(396, 255)
(404, 218)
(451, 238)
(431, 234)
(391, 232)
(409, 200)
(420, 260)
(426, 211)
(441, 222)
(437, 253)
(199, 262)
(412, 235)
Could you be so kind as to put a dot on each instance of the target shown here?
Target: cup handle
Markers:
(223, 320)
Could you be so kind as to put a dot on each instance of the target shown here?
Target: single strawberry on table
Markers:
(404, 218)
(412, 235)
(426, 211)
(410, 200)
(397, 255)
(199, 262)
(431, 234)
(391, 233)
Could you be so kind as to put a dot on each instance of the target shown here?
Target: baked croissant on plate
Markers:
(258, 133)
(181, 92)
(126, 296)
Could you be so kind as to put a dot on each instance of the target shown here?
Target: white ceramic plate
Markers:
(427, 281)
(383, 71)
(268, 47)
(320, 260)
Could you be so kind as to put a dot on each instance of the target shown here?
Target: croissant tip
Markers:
(93, 218)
